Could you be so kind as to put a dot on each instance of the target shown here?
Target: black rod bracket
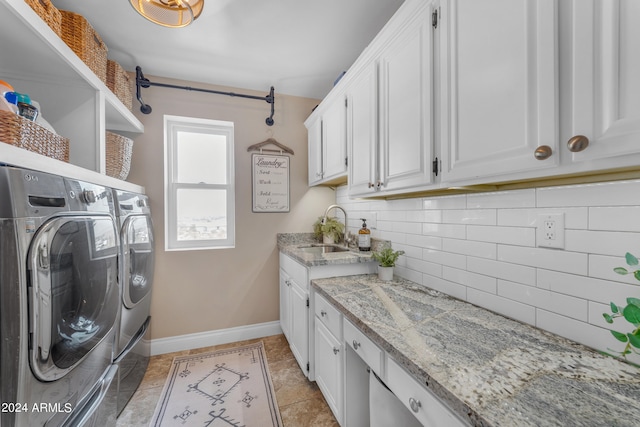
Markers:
(143, 82)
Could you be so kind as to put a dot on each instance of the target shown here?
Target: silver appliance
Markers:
(137, 260)
(58, 300)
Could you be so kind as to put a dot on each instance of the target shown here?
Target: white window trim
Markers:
(172, 124)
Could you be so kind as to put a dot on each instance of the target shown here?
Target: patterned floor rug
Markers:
(230, 387)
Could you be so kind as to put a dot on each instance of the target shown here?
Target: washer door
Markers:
(73, 299)
(138, 259)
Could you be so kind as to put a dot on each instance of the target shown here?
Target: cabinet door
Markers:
(604, 94)
(315, 151)
(285, 304)
(406, 135)
(334, 141)
(499, 87)
(362, 133)
(299, 326)
(329, 363)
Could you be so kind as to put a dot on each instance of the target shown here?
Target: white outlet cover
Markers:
(550, 231)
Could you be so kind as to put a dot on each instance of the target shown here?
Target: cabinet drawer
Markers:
(296, 271)
(426, 407)
(364, 347)
(328, 315)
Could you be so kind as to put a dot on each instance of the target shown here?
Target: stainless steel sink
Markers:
(322, 249)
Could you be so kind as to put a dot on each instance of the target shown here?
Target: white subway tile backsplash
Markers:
(503, 199)
(624, 193)
(615, 218)
(551, 259)
(470, 216)
(444, 230)
(481, 248)
(477, 281)
(508, 235)
(502, 270)
(573, 307)
(468, 247)
(445, 202)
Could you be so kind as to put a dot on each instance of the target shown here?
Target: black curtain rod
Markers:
(143, 82)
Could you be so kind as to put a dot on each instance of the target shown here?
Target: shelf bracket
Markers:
(143, 82)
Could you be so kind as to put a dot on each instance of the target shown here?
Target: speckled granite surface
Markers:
(290, 243)
(491, 370)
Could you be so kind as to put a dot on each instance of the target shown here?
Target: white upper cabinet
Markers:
(601, 69)
(406, 134)
(327, 138)
(390, 114)
(499, 91)
(362, 132)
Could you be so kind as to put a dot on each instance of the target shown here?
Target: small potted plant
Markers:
(386, 258)
(330, 232)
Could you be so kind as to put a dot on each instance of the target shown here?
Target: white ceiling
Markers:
(298, 46)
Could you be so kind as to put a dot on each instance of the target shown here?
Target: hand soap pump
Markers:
(364, 237)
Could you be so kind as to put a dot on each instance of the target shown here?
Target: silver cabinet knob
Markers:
(356, 344)
(323, 313)
(371, 185)
(336, 350)
(578, 143)
(543, 152)
(287, 282)
(414, 404)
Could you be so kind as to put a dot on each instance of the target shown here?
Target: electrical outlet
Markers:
(550, 231)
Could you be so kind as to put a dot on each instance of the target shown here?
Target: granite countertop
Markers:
(291, 244)
(491, 370)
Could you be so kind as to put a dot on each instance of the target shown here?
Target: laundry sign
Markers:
(270, 183)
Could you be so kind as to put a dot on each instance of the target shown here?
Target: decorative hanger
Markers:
(270, 141)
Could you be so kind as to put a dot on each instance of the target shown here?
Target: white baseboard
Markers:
(207, 339)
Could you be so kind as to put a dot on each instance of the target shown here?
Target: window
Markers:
(199, 184)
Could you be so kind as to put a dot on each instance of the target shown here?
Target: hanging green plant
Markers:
(630, 312)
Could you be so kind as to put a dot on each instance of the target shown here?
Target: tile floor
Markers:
(300, 401)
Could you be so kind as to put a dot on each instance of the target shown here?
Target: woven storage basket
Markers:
(119, 83)
(20, 132)
(48, 13)
(118, 155)
(80, 36)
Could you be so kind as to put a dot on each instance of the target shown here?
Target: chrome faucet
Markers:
(344, 234)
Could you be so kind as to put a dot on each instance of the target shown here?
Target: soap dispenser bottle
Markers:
(364, 237)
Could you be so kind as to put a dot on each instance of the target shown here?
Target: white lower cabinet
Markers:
(426, 407)
(296, 317)
(329, 368)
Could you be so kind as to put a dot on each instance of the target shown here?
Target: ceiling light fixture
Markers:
(169, 13)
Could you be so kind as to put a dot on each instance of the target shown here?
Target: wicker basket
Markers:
(20, 132)
(80, 36)
(118, 155)
(48, 13)
(119, 83)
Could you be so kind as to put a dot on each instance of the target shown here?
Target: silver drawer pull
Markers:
(336, 350)
(323, 313)
(415, 404)
(356, 344)
(287, 282)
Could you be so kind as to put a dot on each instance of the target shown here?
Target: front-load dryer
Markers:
(137, 261)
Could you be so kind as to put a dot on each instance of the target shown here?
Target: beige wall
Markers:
(199, 291)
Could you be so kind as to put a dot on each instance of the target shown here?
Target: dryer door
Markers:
(138, 259)
(73, 291)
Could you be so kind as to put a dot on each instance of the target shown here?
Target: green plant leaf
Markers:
(621, 270)
(619, 336)
(632, 314)
(634, 340)
(636, 274)
(633, 301)
(607, 317)
(631, 260)
(614, 308)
